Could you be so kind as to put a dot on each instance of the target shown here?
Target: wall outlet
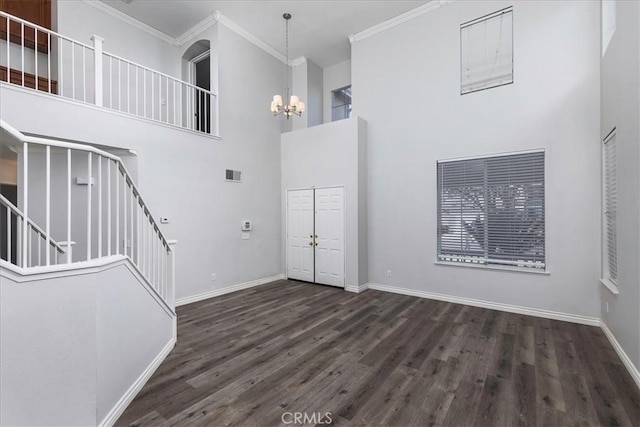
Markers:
(388, 273)
(213, 276)
(246, 236)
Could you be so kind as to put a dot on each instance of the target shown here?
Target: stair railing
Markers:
(37, 241)
(101, 212)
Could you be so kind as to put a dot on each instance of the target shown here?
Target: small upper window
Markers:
(486, 51)
(341, 103)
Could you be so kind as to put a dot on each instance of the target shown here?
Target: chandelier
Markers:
(295, 106)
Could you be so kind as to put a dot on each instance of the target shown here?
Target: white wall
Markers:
(620, 108)
(331, 156)
(299, 87)
(553, 104)
(99, 330)
(314, 100)
(335, 77)
(56, 319)
(132, 330)
(80, 21)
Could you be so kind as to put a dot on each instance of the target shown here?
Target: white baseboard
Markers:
(227, 290)
(555, 315)
(356, 288)
(119, 408)
(633, 370)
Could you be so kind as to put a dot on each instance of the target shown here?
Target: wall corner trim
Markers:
(197, 29)
(228, 289)
(297, 61)
(397, 20)
(529, 311)
(130, 20)
(120, 406)
(356, 288)
(633, 370)
(248, 36)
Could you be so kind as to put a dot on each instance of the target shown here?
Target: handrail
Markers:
(87, 148)
(42, 29)
(4, 201)
(159, 73)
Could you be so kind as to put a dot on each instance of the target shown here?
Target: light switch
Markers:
(246, 236)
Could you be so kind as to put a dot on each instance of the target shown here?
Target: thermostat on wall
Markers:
(246, 225)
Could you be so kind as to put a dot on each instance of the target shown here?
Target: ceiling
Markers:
(319, 29)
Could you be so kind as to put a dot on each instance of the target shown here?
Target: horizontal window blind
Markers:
(491, 210)
(611, 209)
(486, 46)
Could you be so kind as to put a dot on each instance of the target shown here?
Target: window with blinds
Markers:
(491, 210)
(610, 217)
(486, 52)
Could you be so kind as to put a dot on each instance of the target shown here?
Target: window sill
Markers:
(611, 286)
(493, 267)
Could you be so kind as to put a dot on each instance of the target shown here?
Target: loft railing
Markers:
(35, 57)
(36, 242)
(98, 214)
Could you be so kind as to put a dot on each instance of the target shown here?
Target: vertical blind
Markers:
(610, 209)
(486, 51)
(491, 210)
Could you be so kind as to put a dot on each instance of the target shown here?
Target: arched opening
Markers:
(198, 72)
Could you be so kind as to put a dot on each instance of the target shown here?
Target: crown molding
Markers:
(197, 29)
(397, 20)
(297, 61)
(103, 7)
(250, 37)
(193, 32)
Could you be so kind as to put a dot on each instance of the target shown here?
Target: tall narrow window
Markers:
(341, 103)
(491, 210)
(610, 217)
(486, 54)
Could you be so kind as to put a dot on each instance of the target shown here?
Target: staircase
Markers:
(88, 276)
(79, 204)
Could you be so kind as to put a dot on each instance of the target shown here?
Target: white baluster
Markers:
(109, 237)
(25, 200)
(47, 214)
(99, 206)
(97, 68)
(117, 209)
(69, 260)
(89, 207)
(124, 213)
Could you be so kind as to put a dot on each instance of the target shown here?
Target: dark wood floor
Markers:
(375, 358)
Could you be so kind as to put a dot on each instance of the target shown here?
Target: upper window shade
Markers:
(486, 51)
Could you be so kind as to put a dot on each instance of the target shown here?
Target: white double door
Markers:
(315, 235)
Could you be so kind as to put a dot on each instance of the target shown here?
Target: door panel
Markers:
(299, 231)
(329, 208)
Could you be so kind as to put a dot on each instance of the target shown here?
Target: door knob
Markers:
(316, 244)
(310, 243)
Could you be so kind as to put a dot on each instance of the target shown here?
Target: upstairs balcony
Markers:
(34, 57)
